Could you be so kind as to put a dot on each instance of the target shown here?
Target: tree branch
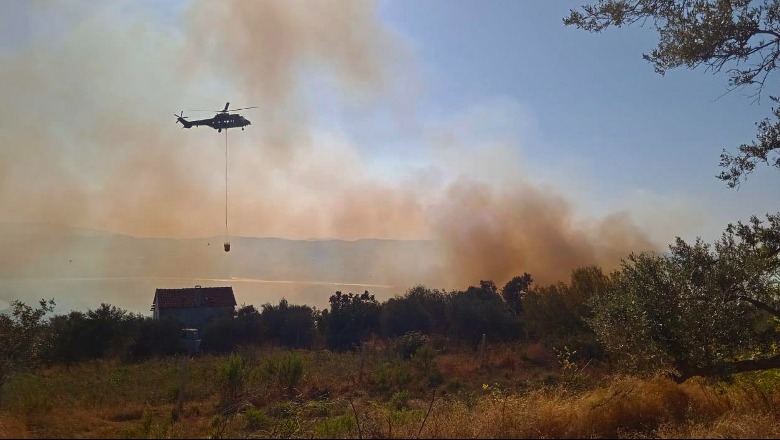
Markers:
(686, 371)
(760, 305)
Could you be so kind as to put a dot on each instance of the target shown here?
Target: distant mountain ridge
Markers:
(55, 251)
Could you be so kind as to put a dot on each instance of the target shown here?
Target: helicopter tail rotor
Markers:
(180, 118)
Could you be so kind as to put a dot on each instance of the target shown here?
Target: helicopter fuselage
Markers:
(222, 121)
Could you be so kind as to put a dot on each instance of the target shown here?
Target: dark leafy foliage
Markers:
(478, 311)
(288, 325)
(558, 313)
(110, 332)
(742, 36)
(700, 310)
(225, 334)
(22, 337)
(350, 320)
(421, 310)
(514, 291)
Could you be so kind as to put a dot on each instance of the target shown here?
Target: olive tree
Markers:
(701, 309)
(22, 337)
(740, 36)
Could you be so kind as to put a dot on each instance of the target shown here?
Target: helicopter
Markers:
(222, 120)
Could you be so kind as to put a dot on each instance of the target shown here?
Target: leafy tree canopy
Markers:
(352, 318)
(702, 310)
(514, 290)
(480, 310)
(22, 337)
(421, 310)
(741, 36)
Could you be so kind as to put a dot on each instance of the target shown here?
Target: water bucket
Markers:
(227, 247)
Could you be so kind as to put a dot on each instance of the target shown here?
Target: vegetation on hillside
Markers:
(683, 343)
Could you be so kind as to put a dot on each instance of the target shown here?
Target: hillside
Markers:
(81, 267)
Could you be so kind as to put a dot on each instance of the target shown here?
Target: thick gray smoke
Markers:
(88, 139)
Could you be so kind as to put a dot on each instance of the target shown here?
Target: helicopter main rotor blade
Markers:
(225, 110)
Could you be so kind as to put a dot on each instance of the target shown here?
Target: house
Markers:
(195, 306)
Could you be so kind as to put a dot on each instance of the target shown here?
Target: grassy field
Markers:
(506, 391)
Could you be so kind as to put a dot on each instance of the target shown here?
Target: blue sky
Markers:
(594, 101)
(581, 114)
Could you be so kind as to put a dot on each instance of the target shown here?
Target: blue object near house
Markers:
(195, 306)
(190, 338)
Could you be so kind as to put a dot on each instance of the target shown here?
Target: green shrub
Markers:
(336, 427)
(423, 359)
(423, 362)
(286, 370)
(232, 379)
(28, 394)
(419, 310)
(408, 344)
(286, 428)
(481, 311)
(257, 419)
(350, 320)
(288, 325)
(388, 378)
(400, 400)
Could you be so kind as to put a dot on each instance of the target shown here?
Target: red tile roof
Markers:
(194, 297)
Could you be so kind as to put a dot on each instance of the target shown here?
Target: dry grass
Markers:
(338, 398)
(12, 427)
(626, 407)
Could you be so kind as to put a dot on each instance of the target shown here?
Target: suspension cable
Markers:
(227, 233)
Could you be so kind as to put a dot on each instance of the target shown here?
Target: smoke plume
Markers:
(88, 139)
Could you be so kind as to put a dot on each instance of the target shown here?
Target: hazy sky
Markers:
(372, 118)
(612, 131)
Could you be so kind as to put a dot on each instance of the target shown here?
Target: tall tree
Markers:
(702, 310)
(421, 310)
(514, 290)
(741, 36)
(481, 311)
(288, 325)
(351, 319)
(22, 337)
